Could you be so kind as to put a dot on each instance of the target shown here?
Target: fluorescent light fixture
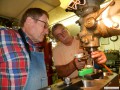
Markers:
(70, 20)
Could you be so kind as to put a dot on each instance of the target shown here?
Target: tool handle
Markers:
(108, 69)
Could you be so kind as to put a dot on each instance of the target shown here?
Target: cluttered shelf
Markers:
(113, 60)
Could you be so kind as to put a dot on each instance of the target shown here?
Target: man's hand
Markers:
(99, 57)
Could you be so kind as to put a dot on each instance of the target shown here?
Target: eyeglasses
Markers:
(46, 24)
(63, 31)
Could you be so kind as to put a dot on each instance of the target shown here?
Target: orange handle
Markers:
(108, 69)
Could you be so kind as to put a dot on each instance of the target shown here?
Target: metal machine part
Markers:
(67, 81)
(84, 7)
(79, 56)
(92, 20)
(88, 69)
(93, 17)
(93, 27)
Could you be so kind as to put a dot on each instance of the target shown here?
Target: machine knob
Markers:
(85, 40)
(90, 23)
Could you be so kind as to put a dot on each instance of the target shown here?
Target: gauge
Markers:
(114, 38)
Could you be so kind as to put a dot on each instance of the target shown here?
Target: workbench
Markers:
(108, 82)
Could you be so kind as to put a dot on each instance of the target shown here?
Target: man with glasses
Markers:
(64, 53)
(22, 67)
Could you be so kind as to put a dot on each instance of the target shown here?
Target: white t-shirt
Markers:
(63, 54)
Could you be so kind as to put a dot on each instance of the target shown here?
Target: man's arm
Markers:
(65, 70)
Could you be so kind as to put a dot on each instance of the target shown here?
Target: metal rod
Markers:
(108, 69)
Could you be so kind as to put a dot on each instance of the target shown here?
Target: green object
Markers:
(85, 71)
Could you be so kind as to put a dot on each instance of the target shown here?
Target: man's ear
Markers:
(29, 20)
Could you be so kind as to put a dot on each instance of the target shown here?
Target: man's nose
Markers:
(63, 35)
